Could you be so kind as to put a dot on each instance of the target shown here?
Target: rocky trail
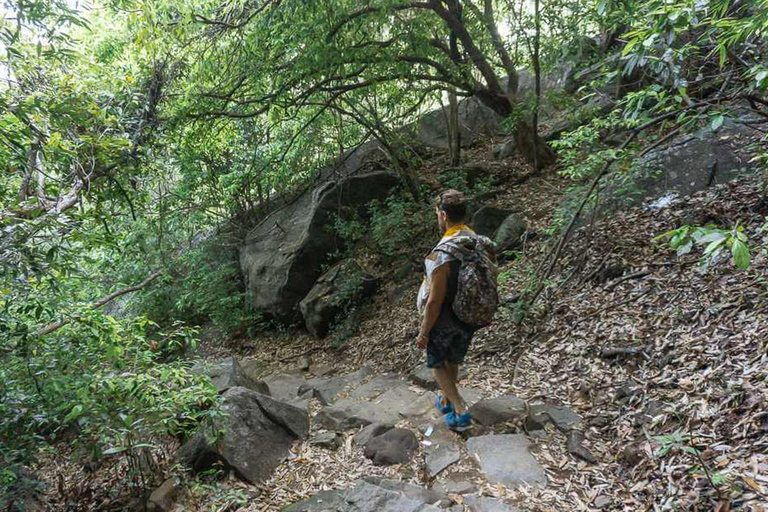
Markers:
(380, 443)
(642, 384)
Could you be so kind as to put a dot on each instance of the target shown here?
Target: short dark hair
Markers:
(454, 204)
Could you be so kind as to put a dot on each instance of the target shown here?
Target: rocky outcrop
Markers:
(475, 120)
(344, 284)
(256, 435)
(687, 164)
(282, 257)
(228, 373)
(488, 219)
(509, 235)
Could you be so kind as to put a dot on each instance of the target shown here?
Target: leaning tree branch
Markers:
(102, 301)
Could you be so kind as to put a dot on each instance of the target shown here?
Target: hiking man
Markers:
(458, 296)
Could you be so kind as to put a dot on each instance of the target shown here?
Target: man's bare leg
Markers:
(447, 381)
(454, 372)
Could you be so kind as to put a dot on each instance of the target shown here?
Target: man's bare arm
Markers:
(434, 303)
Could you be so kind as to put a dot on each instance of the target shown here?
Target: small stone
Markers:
(563, 417)
(602, 501)
(304, 363)
(371, 431)
(626, 391)
(392, 447)
(320, 370)
(574, 444)
(632, 455)
(329, 440)
(162, 498)
(454, 487)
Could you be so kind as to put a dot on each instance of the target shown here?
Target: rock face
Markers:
(505, 459)
(488, 219)
(687, 164)
(257, 435)
(491, 411)
(345, 283)
(509, 234)
(228, 373)
(475, 119)
(282, 256)
(392, 447)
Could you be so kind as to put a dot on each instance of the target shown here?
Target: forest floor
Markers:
(665, 360)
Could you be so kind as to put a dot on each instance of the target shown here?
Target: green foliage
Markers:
(99, 381)
(714, 240)
(398, 223)
(582, 151)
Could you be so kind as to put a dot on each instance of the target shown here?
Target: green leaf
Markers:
(717, 122)
(740, 254)
(713, 247)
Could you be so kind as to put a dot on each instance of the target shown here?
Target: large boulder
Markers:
(282, 256)
(344, 284)
(509, 235)
(256, 435)
(687, 164)
(227, 373)
(488, 219)
(475, 121)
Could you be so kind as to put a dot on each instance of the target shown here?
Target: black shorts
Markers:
(448, 344)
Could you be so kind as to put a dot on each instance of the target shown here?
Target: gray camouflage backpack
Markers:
(477, 297)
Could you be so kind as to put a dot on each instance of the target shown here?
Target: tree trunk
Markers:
(535, 153)
(454, 130)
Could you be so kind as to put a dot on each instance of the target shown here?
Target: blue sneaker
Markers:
(458, 423)
(444, 409)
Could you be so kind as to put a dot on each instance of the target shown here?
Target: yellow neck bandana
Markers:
(454, 230)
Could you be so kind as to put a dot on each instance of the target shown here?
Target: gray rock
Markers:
(484, 504)
(329, 440)
(392, 447)
(344, 284)
(506, 149)
(320, 369)
(304, 363)
(505, 459)
(563, 417)
(509, 235)
(475, 119)
(367, 433)
(257, 433)
(378, 385)
(421, 408)
(285, 387)
(443, 453)
(227, 373)
(687, 164)
(325, 389)
(424, 377)
(373, 495)
(455, 487)
(162, 498)
(490, 411)
(574, 444)
(411, 491)
(281, 258)
(488, 219)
